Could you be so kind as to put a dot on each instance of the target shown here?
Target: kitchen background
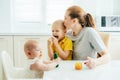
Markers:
(36, 16)
(21, 20)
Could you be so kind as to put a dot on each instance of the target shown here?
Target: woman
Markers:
(87, 42)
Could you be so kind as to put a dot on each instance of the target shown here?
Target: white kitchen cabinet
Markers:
(114, 49)
(14, 45)
(6, 44)
(19, 55)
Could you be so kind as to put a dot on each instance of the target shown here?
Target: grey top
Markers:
(86, 43)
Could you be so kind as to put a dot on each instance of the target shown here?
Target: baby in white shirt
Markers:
(35, 64)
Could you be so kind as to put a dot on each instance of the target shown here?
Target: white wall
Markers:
(104, 7)
(96, 7)
(116, 8)
(88, 5)
(5, 16)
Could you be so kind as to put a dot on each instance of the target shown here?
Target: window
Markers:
(26, 15)
(28, 10)
(109, 23)
(56, 9)
(37, 15)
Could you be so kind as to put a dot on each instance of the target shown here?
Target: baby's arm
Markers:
(43, 66)
(47, 61)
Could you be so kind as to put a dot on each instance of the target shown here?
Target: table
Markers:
(66, 71)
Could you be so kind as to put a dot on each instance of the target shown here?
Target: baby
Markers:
(59, 45)
(35, 65)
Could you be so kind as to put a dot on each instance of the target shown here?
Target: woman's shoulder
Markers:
(90, 30)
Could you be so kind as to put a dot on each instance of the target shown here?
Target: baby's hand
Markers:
(57, 60)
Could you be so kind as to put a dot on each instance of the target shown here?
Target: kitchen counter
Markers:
(66, 71)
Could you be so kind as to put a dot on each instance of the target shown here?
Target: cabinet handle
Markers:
(1, 38)
(32, 38)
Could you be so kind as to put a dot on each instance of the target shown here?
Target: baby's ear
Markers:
(28, 52)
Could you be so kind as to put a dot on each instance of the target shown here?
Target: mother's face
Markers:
(67, 20)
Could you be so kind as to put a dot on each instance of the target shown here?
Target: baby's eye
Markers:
(37, 50)
(40, 51)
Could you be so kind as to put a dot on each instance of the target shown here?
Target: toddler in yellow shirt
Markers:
(59, 45)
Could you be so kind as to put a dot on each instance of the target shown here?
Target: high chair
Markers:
(11, 72)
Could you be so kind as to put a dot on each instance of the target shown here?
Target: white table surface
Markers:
(66, 71)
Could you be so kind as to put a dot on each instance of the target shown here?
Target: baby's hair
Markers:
(30, 44)
(59, 22)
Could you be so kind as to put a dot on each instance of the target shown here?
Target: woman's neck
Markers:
(76, 30)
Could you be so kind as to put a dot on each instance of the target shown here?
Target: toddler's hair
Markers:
(59, 23)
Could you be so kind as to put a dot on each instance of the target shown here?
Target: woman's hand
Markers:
(90, 63)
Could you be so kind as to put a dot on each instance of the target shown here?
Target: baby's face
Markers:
(37, 52)
(58, 32)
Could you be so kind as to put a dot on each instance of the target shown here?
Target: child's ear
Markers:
(65, 31)
(28, 52)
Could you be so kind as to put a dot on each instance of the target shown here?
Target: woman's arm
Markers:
(92, 63)
(105, 57)
(100, 48)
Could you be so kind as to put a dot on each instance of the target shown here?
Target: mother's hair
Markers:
(85, 19)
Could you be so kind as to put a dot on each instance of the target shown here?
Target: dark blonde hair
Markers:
(59, 22)
(85, 19)
(30, 44)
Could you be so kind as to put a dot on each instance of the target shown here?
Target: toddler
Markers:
(59, 45)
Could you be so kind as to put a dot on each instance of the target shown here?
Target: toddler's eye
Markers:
(57, 30)
(52, 30)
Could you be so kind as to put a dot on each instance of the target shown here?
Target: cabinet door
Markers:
(6, 44)
(115, 47)
(19, 55)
